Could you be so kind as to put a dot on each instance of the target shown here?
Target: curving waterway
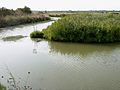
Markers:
(48, 65)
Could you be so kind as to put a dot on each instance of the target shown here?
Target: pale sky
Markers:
(63, 4)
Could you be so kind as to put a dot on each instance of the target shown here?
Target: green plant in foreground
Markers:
(2, 87)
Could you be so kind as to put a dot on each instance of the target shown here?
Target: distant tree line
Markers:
(19, 11)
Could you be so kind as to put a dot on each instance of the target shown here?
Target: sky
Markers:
(62, 4)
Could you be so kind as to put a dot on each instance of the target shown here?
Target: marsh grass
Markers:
(85, 27)
(24, 19)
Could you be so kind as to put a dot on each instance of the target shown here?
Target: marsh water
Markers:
(48, 65)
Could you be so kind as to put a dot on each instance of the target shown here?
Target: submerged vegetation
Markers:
(2, 87)
(100, 28)
(13, 38)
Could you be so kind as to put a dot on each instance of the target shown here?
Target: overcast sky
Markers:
(63, 4)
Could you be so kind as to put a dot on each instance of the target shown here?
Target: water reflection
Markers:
(81, 49)
(35, 44)
(101, 54)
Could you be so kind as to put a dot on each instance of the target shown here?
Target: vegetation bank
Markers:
(88, 28)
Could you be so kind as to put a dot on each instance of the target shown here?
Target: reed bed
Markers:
(17, 20)
(95, 28)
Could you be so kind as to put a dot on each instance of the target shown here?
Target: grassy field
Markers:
(95, 28)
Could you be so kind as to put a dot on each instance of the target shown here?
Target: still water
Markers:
(47, 65)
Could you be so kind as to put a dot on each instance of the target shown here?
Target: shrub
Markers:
(4, 11)
(25, 10)
(37, 34)
(58, 15)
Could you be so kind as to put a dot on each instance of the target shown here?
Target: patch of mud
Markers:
(13, 38)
